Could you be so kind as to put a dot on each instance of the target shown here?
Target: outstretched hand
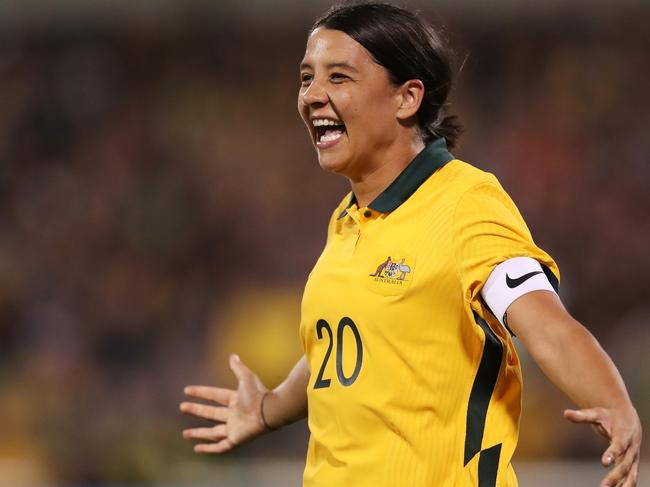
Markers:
(238, 414)
(623, 430)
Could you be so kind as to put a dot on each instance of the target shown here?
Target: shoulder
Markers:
(462, 177)
(472, 187)
(457, 184)
(478, 196)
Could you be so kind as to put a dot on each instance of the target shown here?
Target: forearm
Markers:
(287, 403)
(581, 369)
(570, 356)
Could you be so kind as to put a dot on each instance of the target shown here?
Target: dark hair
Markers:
(409, 48)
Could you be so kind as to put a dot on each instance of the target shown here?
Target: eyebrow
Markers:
(332, 65)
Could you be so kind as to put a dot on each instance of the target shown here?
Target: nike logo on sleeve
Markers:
(513, 283)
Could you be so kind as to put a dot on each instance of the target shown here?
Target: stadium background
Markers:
(161, 207)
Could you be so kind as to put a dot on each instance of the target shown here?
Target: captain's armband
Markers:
(511, 280)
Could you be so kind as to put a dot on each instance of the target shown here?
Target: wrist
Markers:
(619, 402)
(263, 416)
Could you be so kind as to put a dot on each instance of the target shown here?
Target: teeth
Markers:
(321, 122)
(331, 137)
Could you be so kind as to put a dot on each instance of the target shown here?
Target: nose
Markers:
(314, 94)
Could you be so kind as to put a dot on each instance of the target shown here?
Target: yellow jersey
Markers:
(413, 380)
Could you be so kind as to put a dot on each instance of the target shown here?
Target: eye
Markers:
(305, 79)
(338, 77)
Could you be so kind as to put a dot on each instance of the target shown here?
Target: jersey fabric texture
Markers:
(413, 380)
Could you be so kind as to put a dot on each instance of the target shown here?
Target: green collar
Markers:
(429, 160)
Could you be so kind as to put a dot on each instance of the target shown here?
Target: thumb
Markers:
(583, 415)
(615, 450)
(238, 368)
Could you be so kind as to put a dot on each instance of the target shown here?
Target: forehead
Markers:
(335, 47)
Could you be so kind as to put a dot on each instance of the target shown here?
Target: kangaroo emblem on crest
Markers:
(381, 268)
(389, 269)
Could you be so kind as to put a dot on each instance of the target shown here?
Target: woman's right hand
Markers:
(238, 414)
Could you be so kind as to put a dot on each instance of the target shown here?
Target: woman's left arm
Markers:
(575, 362)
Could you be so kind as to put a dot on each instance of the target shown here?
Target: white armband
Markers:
(511, 280)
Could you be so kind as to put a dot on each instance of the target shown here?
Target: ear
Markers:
(409, 99)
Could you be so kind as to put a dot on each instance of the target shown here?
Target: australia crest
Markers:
(392, 271)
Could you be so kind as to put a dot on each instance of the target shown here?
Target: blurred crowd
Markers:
(161, 207)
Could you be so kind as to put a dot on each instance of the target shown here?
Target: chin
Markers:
(332, 163)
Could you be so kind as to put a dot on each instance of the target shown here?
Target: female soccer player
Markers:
(410, 376)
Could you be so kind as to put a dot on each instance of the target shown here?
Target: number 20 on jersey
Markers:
(344, 380)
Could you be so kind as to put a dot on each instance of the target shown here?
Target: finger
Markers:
(204, 411)
(615, 450)
(620, 471)
(216, 394)
(239, 369)
(215, 433)
(631, 479)
(593, 415)
(221, 447)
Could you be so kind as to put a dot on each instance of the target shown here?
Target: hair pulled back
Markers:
(409, 48)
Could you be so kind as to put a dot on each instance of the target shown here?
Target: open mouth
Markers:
(328, 131)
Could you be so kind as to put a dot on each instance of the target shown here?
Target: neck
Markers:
(378, 176)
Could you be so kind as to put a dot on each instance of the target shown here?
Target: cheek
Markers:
(370, 112)
(369, 123)
(350, 107)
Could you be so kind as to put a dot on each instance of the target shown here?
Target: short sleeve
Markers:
(488, 230)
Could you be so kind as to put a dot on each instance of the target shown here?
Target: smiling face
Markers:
(347, 102)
